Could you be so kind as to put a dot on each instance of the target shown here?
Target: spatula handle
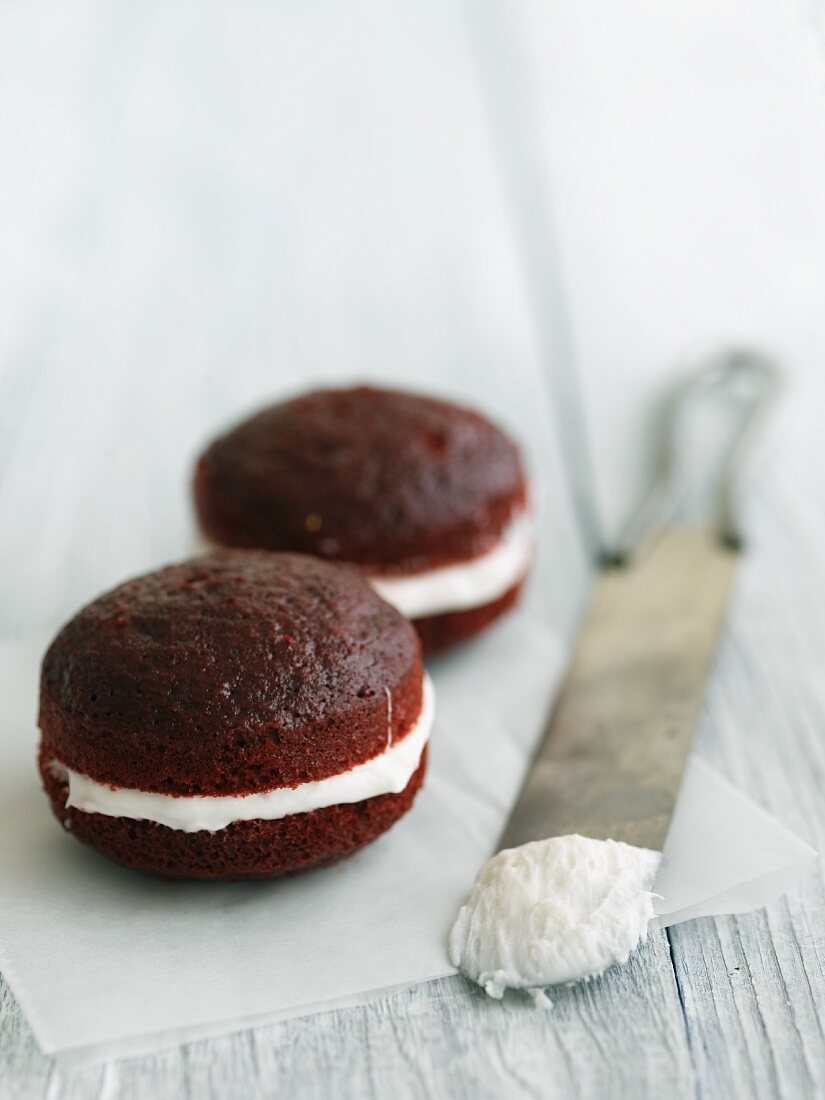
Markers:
(747, 378)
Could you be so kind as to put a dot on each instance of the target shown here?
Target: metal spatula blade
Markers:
(611, 762)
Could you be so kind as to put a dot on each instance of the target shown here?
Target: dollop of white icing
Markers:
(387, 773)
(554, 911)
(463, 584)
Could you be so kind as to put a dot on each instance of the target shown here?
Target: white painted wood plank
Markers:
(754, 986)
(623, 1035)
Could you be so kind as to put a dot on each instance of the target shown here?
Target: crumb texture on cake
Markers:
(382, 478)
(230, 673)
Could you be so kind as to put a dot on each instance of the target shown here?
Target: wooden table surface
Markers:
(110, 337)
(723, 1007)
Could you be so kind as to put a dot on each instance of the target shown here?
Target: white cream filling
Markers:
(464, 584)
(554, 911)
(387, 773)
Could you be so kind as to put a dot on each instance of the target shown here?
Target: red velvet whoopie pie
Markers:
(427, 499)
(240, 715)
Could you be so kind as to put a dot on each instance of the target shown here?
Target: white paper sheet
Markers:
(106, 962)
(723, 853)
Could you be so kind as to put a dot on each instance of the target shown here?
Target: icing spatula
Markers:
(611, 762)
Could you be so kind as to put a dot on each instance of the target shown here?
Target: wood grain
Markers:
(753, 987)
(622, 1035)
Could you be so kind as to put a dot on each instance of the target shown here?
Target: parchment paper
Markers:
(107, 963)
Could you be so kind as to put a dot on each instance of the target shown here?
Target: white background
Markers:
(201, 209)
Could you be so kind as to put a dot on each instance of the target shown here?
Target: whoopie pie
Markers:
(239, 715)
(427, 499)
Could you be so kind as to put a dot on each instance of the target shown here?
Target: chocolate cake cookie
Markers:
(427, 499)
(240, 715)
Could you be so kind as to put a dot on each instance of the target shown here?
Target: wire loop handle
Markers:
(749, 378)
